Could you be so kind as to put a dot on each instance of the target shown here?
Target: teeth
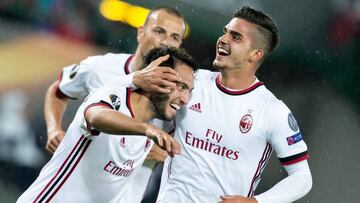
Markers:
(221, 50)
(175, 106)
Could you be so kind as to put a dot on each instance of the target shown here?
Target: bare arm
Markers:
(110, 121)
(54, 109)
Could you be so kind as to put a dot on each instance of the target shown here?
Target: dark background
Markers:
(314, 71)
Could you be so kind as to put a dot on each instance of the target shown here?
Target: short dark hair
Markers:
(176, 55)
(167, 9)
(266, 26)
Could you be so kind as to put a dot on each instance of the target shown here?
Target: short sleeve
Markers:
(104, 96)
(285, 136)
(73, 79)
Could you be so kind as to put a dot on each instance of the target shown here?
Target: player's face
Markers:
(162, 29)
(233, 48)
(166, 105)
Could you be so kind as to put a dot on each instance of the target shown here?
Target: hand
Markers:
(157, 154)
(164, 140)
(155, 78)
(236, 199)
(54, 139)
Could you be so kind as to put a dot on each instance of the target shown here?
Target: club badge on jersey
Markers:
(246, 123)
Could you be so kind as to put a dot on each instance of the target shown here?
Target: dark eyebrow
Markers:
(236, 34)
(233, 33)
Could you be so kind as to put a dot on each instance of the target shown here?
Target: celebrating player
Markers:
(164, 26)
(233, 124)
(103, 148)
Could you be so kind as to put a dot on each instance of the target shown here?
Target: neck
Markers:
(237, 78)
(141, 105)
(136, 61)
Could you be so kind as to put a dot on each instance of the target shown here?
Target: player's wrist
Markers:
(53, 130)
(145, 129)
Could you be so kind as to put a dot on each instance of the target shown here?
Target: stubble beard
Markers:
(160, 101)
(218, 66)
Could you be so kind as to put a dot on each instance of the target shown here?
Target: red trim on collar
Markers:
(128, 103)
(127, 70)
(236, 92)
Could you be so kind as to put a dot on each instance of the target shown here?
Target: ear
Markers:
(140, 34)
(257, 55)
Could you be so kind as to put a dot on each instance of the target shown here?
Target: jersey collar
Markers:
(127, 63)
(236, 92)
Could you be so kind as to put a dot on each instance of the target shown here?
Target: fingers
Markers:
(54, 141)
(159, 140)
(159, 60)
(171, 145)
(171, 77)
(159, 89)
(167, 70)
(164, 140)
(50, 148)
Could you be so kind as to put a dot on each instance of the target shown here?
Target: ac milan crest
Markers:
(246, 123)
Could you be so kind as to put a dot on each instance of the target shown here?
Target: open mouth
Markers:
(175, 106)
(222, 51)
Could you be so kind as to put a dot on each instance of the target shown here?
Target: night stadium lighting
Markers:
(116, 10)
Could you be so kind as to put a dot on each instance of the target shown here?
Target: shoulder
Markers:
(107, 58)
(203, 74)
(112, 89)
(274, 104)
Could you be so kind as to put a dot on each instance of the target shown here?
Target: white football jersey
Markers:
(78, 80)
(227, 137)
(90, 166)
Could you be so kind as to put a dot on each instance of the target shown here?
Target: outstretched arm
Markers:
(107, 120)
(296, 185)
(54, 109)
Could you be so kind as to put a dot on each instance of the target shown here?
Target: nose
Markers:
(166, 42)
(169, 41)
(223, 39)
(184, 97)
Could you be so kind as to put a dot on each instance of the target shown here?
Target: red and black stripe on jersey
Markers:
(64, 171)
(294, 158)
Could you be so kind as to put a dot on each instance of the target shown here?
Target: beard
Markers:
(217, 65)
(160, 102)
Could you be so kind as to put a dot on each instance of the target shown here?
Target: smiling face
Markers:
(161, 29)
(166, 105)
(235, 48)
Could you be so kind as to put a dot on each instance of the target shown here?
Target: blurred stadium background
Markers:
(315, 71)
